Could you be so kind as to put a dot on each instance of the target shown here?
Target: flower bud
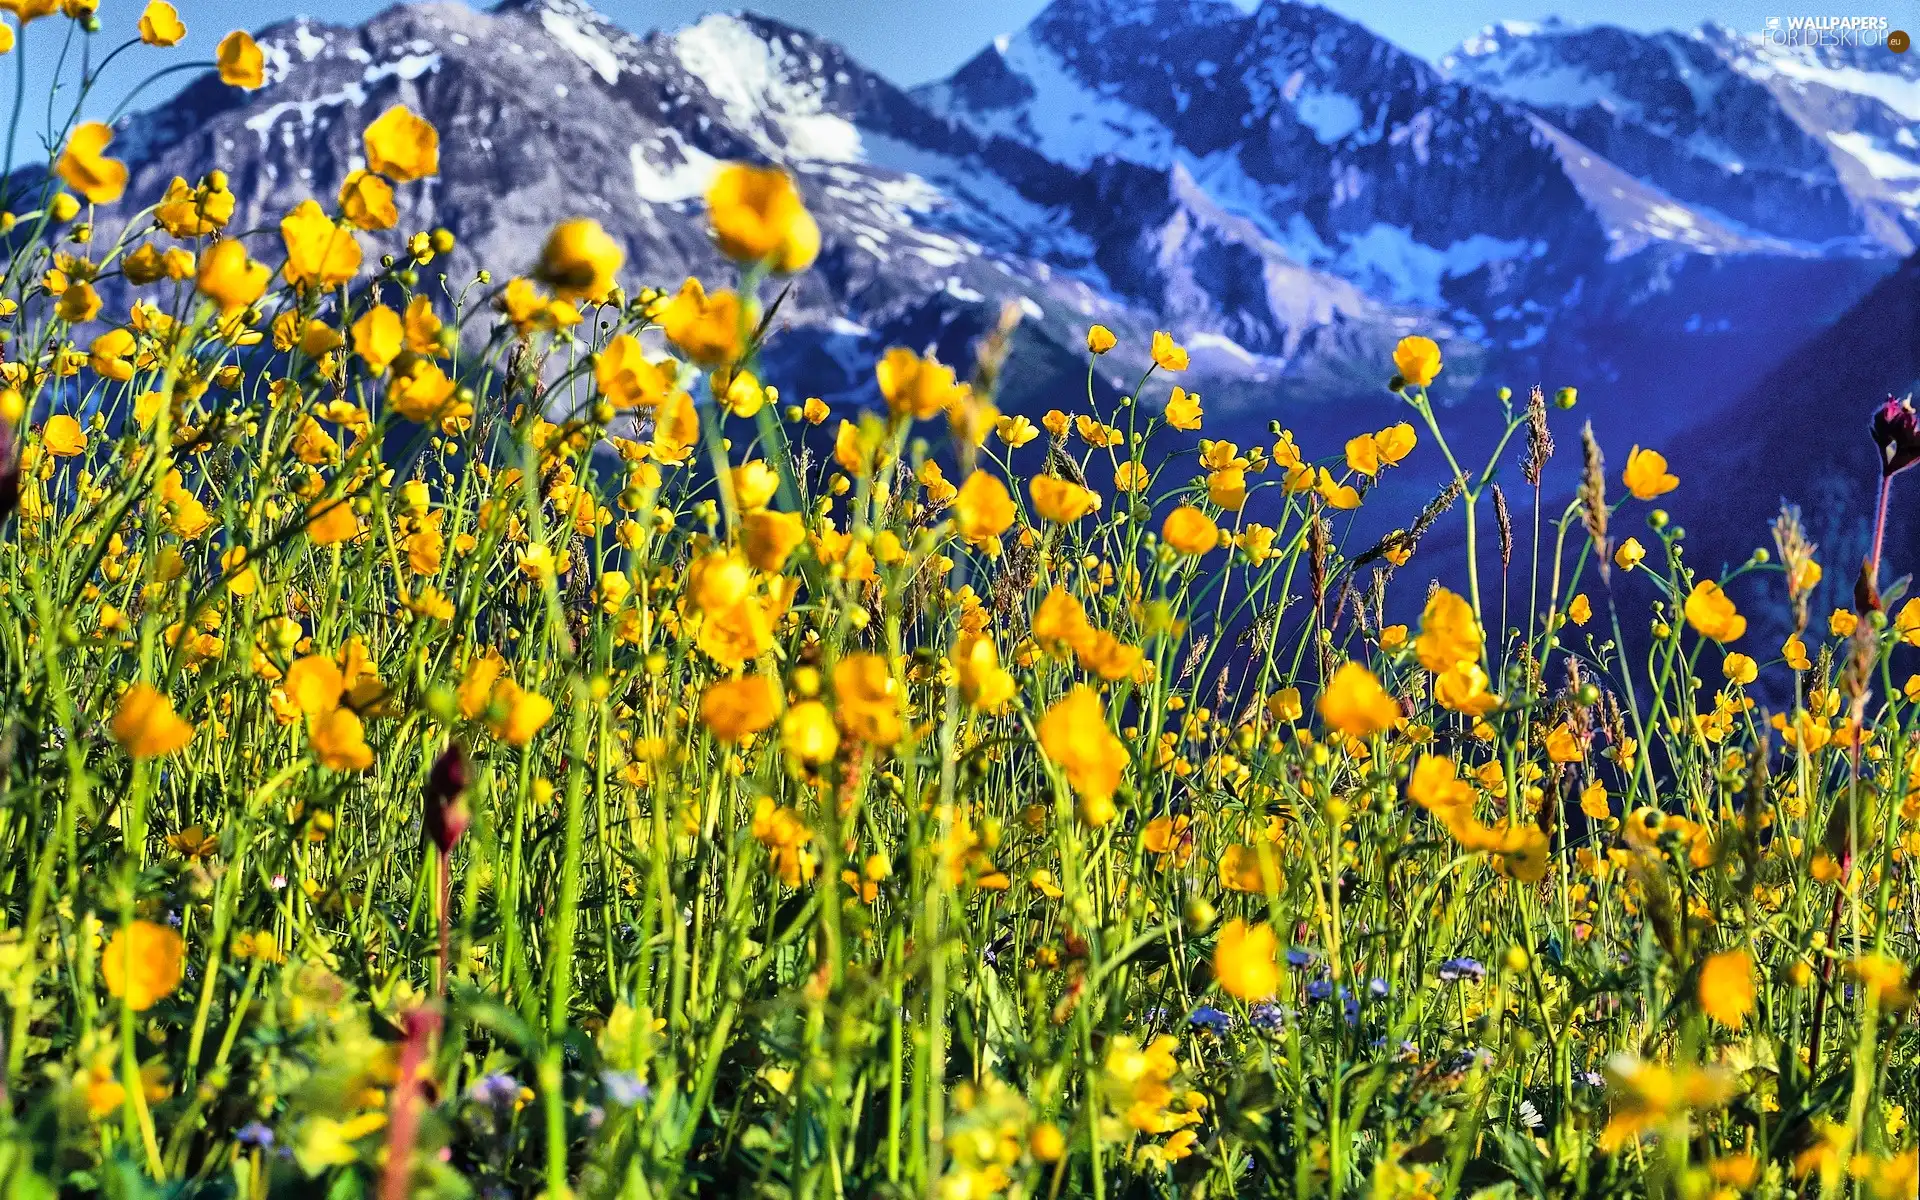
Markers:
(1896, 430)
(445, 816)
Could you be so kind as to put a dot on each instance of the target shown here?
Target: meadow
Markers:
(477, 737)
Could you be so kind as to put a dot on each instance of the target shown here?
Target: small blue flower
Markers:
(1455, 969)
(1270, 1017)
(1379, 987)
(253, 1133)
(1320, 989)
(1209, 1017)
(1300, 958)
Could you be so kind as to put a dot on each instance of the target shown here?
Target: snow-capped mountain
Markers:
(1814, 145)
(1285, 190)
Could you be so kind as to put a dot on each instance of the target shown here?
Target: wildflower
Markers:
(145, 724)
(1166, 353)
(808, 735)
(521, 713)
(402, 145)
(867, 699)
(78, 304)
(1630, 554)
(1189, 531)
(444, 815)
(1454, 970)
(332, 521)
(706, 328)
(229, 278)
(1356, 704)
(627, 379)
(913, 386)
(1337, 495)
(1015, 431)
(984, 684)
(160, 24)
(1726, 987)
(758, 216)
(1712, 614)
(240, 61)
(983, 509)
(142, 964)
(319, 253)
(768, 538)
(1210, 1019)
(1465, 688)
(339, 740)
(580, 260)
(1417, 359)
(1740, 669)
(1183, 410)
(377, 337)
(83, 167)
(1061, 501)
(1581, 610)
(366, 201)
(1075, 736)
(1245, 961)
(735, 709)
(1896, 431)
(1646, 475)
(1449, 632)
(63, 437)
(1100, 339)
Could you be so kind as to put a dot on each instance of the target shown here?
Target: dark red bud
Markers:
(1896, 430)
(9, 474)
(445, 817)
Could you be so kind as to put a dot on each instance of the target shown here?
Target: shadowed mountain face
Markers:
(1656, 220)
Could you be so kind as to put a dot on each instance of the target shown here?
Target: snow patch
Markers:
(263, 122)
(308, 43)
(1386, 260)
(586, 47)
(413, 66)
(746, 75)
(1879, 162)
(1331, 115)
(684, 180)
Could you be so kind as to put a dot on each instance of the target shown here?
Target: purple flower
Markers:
(253, 1133)
(1269, 1017)
(625, 1088)
(1380, 988)
(1455, 969)
(498, 1090)
(1896, 430)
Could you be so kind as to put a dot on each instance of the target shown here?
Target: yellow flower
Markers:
(707, 328)
(63, 436)
(107, 354)
(1363, 455)
(868, 699)
(627, 379)
(1189, 531)
(1337, 495)
(1712, 614)
(984, 683)
(160, 24)
(1417, 359)
(84, 169)
(734, 709)
(339, 740)
(1647, 476)
(145, 724)
(1246, 961)
(402, 145)
(1131, 477)
(984, 508)
(1355, 703)
(1100, 339)
(142, 964)
(229, 278)
(1285, 704)
(1630, 554)
(319, 252)
(78, 304)
(1075, 736)
(1463, 688)
(1061, 500)
(1740, 668)
(366, 201)
(1394, 443)
(1726, 987)
(522, 713)
(1227, 488)
(1581, 610)
(580, 260)
(1842, 623)
(758, 216)
(1906, 622)
(240, 61)
(1449, 633)
(808, 734)
(1183, 410)
(1593, 802)
(1562, 744)
(768, 537)
(377, 337)
(915, 387)
(331, 521)
(1167, 354)
(1014, 431)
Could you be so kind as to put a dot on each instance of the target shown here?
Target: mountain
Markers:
(1815, 145)
(1286, 191)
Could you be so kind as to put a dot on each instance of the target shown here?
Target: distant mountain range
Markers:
(1658, 219)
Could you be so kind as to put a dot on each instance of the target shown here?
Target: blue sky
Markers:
(908, 40)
